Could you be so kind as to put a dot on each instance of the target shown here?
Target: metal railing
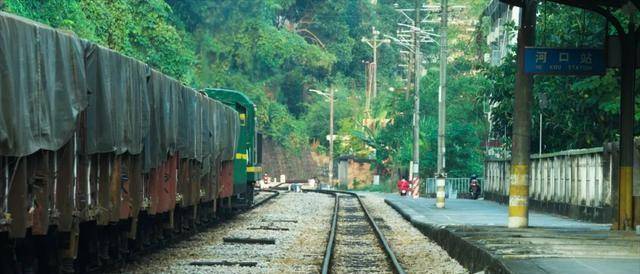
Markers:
(454, 187)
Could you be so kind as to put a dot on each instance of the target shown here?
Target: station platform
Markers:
(475, 233)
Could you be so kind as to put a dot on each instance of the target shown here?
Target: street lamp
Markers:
(331, 137)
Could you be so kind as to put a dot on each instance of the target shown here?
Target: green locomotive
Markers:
(246, 166)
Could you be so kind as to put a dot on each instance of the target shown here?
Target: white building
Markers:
(500, 36)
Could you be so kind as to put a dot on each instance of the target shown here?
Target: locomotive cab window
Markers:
(242, 114)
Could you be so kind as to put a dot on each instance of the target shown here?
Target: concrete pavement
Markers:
(475, 233)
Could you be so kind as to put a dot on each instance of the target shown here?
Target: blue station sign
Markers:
(564, 61)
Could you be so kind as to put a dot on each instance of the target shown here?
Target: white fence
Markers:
(453, 186)
(575, 177)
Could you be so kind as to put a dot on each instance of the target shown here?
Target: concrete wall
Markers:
(276, 160)
(575, 183)
(350, 170)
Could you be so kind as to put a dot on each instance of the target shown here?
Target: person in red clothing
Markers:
(403, 187)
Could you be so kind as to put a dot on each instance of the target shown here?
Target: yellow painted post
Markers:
(519, 183)
(626, 198)
(519, 196)
(627, 111)
(440, 191)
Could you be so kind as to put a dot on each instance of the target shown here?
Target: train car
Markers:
(102, 156)
(246, 166)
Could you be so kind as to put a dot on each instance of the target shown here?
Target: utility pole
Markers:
(418, 35)
(416, 97)
(411, 36)
(330, 138)
(408, 33)
(519, 184)
(442, 107)
(367, 89)
(407, 58)
(374, 42)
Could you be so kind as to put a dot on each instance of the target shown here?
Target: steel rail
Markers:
(326, 263)
(275, 194)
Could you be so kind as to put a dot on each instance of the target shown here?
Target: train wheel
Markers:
(249, 194)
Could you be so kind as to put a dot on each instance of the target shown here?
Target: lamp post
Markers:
(331, 137)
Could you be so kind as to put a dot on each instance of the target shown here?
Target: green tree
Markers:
(141, 29)
(580, 111)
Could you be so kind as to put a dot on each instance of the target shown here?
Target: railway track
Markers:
(271, 194)
(356, 243)
(321, 232)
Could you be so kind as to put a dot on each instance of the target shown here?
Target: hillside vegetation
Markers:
(276, 50)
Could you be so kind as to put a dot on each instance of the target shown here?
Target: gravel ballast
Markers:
(415, 252)
(288, 235)
(297, 222)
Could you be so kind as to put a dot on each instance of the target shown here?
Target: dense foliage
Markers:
(276, 50)
(577, 111)
(140, 29)
(466, 126)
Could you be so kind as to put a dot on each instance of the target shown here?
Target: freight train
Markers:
(102, 156)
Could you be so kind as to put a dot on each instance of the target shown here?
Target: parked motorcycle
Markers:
(474, 187)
